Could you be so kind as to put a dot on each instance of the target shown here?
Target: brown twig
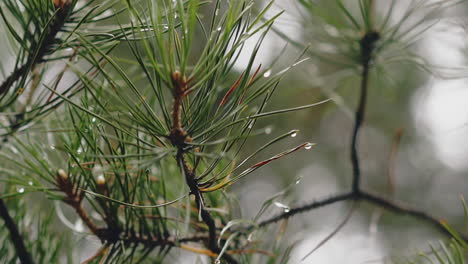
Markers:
(392, 160)
(74, 198)
(179, 138)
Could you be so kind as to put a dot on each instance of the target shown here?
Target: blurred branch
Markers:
(308, 207)
(10, 224)
(392, 160)
(15, 235)
(375, 199)
(63, 10)
(401, 208)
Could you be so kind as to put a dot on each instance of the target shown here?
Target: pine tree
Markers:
(128, 122)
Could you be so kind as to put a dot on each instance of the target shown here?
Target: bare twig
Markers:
(367, 47)
(310, 206)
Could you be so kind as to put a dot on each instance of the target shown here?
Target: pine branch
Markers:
(179, 138)
(63, 10)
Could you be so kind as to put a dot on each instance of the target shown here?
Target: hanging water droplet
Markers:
(268, 130)
(294, 134)
(165, 27)
(19, 189)
(93, 120)
(251, 125)
(250, 237)
(52, 147)
(15, 150)
(217, 261)
(309, 146)
(79, 227)
(298, 181)
(219, 28)
(79, 150)
(30, 183)
(282, 206)
(267, 74)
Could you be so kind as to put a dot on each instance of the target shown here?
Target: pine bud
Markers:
(100, 181)
(61, 3)
(63, 175)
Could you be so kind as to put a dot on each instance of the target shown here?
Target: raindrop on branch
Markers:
(282, 206)
(309, 146)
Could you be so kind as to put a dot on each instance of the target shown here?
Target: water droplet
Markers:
(93, 120)
(250, 237)
(294, 134)
(282, 206)
(30, 183)
(251, 125)
(19, 189)
(15, 150)
(165, 27)
(79, 227)
(52, 147)
(80, 150)
(309, 146)
(268, 130)
(219, 28)
(267, 74)
(217, 261)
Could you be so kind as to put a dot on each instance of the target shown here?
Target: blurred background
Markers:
(426, 168)
(413, 146)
